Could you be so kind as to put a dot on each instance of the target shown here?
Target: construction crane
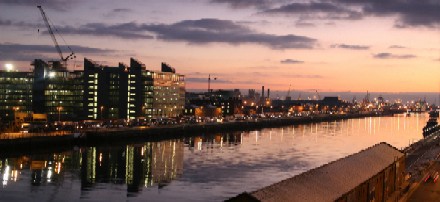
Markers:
(317, 94)
(49, 28)
(288, 94)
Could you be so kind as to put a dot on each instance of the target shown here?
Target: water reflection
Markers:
(138, 166)
(215, 166)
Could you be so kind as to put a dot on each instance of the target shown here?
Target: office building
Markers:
(98, 92)
(56, 91)
(14, 94)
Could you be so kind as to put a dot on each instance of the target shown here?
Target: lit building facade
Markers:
(169, 93)
(14, 94)
(105, 91)
(130, 92)
(56, 91)
(98, 92)
(140, 103)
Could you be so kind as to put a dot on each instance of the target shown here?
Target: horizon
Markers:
(431, 97)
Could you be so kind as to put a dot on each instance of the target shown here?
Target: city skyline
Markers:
(328, 45)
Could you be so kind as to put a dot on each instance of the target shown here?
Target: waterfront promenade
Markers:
(13, 141)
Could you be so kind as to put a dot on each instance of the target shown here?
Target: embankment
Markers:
(157, 133)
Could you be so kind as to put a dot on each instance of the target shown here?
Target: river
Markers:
(210, 167)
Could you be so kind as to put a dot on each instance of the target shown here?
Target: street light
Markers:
(15, 111)
(59, 108)
(102, 107)
(209, 82)
(9, 67)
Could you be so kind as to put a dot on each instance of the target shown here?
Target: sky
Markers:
(324, 45)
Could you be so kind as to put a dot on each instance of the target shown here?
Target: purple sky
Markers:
(329, 45)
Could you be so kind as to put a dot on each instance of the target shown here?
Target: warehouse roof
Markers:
(330, 181)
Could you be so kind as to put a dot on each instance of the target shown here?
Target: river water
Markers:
(201, 168)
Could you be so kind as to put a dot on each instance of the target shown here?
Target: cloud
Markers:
(410, 12)
(201, 31)
(300, 23)
(118, 13)
(225, 31)
(122, 10)
(60, 5)
(21, 52)
(316, 10)
(128, 30)
(396, 46)
(305, 76)
(393, 56)
(240, 4)
(291, 61)
(5, 22)
(352, 47)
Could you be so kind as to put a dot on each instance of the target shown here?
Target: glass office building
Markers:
(130, 92)
(57, 92)
(98, 92)
(15, 96)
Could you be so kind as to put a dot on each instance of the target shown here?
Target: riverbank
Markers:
(18, 142)
(177, 131)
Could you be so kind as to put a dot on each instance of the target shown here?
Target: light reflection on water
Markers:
(204, 168)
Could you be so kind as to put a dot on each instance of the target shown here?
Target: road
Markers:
(427, 191)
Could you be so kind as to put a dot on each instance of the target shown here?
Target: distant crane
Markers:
(49, 29)
(317, 94)
(288, 94)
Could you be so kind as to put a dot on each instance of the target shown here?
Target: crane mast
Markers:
(52, 35)
(319, 97)
(288, 94)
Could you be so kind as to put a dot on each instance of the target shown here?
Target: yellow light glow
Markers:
(9, 67)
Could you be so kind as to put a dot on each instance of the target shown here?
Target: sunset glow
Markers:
(329, 45)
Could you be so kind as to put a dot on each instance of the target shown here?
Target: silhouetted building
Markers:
(226, 102)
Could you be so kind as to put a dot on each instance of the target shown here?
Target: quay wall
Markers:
(178, 131)
(157, 133)
(43, 144)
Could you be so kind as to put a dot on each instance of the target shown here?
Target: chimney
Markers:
(268, 93)
(262, 93)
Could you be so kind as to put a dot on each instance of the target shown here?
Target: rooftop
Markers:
(331, 181)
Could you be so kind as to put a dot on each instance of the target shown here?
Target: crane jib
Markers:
(52, 34)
